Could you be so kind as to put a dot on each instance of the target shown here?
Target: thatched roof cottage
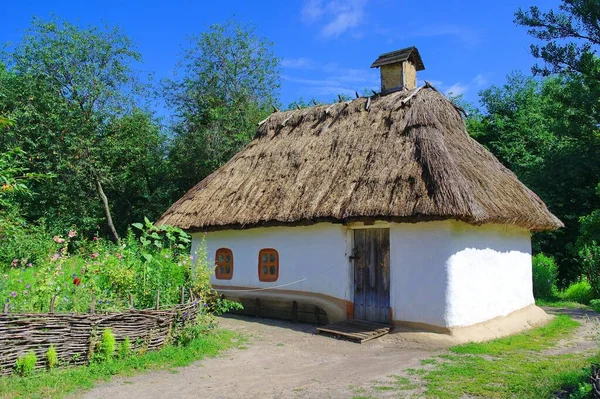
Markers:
(382, 208)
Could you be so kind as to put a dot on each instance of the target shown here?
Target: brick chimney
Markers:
(398, 69)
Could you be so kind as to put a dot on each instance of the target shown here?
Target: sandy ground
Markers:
(285, 360)
(282, 360)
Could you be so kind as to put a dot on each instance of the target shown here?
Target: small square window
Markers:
(224, 264)
(268, 265)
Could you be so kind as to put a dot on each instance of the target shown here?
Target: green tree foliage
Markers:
(70, 91)
(571, 35)
(534, 128)
(229, 81)
(547, 129)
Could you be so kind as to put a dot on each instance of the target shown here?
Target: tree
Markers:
(572, 36)
(229, 82)
(67, 88)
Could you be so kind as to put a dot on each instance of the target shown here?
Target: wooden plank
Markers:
(357, 330)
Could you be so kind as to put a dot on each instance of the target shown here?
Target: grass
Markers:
(513, 367)
(559, 303)
(61, 382)
(530, 341)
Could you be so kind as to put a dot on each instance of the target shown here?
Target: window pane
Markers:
(272, 270)
(228, 258)
(220, 258)
(265, 258)
(272, 258)
(265, 270)
(227, 269)
(221, 269)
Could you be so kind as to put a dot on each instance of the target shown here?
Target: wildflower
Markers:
(6, 276)
(72, 233)
(13, 294)
(30, 264)
(6, 187)
(94, 255)
(25, 292)
(28, 286)
(76, 281)
(95, 238)
(119, 256)
(58, 240)
(55, 257)
(14, 262)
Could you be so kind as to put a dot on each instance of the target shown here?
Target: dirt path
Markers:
(282, 360)
(285, 360)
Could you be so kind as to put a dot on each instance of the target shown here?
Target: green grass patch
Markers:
(533, 340)
(510, 367)
(61, 382)
(559, 303)
(425, 362)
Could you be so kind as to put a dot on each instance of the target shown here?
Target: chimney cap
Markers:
(393, 57)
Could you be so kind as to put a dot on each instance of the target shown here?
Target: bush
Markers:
(580, 292)
(595, 304)
(51, 357)
(545, 273)
(26, 364)
(106, 346)
(590, 264)
(124, 349)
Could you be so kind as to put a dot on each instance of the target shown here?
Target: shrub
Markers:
(124, 349)
(26, 364)
(590, 264)
(106, 346)
(545, 273)
(51, 357)
(595, 304)
(579, 291)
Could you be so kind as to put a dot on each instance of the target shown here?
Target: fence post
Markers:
(157, 299)
(182, 294)
(131, 301)
(52, 304)
(93, 306)
(6, 307)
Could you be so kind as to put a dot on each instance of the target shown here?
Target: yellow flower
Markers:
(6, 187)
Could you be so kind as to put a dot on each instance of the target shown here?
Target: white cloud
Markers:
(463, 34)
(459, 88)
(338, 80)
(312, 10)
(335, 16)
(297, 63)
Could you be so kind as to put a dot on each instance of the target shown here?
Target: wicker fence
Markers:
(75, 335)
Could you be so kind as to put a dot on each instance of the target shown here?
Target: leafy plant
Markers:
(579, 291)
(124, 349)
(26, 364)
(51, 357)
(106, 347)
(545, 273)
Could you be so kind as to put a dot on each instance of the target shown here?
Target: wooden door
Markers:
(372, 275)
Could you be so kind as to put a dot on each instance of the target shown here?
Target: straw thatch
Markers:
(378, 158)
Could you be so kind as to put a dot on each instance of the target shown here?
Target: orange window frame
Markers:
(224, 264)
(268, 265)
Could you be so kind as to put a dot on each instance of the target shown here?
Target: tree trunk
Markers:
(104, 200)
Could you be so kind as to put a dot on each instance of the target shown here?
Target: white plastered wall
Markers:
(452, 274)
(446, 274)
(317, 255)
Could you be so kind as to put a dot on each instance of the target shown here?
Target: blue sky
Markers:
(326, 46)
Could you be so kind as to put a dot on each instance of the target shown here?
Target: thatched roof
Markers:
(378, 158)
